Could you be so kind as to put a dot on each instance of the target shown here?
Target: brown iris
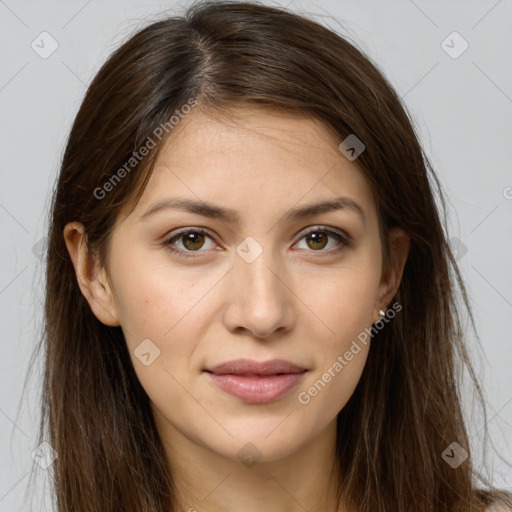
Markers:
(319, 240)
(193, 241)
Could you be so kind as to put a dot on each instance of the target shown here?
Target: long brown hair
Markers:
(406, 409)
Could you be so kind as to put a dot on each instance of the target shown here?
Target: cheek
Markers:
(330, 388)
(346, 304)
(159, 320)
(162, 313)
(153, 300)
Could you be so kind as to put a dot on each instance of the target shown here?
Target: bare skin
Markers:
(302, 299)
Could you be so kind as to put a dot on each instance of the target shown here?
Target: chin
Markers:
(250, 445)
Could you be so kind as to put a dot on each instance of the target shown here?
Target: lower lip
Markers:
(257, 389)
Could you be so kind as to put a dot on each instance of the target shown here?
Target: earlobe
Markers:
(91, 278)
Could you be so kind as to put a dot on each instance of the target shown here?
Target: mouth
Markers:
(256, 382)
(249, 367)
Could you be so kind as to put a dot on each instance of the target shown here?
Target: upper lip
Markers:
(251, 367)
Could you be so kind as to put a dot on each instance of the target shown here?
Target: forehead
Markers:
(253, 160)
(245, 131)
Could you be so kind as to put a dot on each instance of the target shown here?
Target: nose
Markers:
(260, 301)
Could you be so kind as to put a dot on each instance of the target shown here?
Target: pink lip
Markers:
(255, 382)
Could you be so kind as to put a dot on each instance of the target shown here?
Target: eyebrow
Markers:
(229, 215)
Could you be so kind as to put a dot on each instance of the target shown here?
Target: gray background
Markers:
(462, 108)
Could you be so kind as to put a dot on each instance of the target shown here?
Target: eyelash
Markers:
(344, 241)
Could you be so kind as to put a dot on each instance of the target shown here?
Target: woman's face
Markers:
(260, 281)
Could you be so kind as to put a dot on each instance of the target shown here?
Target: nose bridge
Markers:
(261, 279)
(259, 301)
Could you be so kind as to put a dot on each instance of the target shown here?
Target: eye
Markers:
(191, 241)
(317, 239)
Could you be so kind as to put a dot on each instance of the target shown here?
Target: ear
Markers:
(92, 279)
(399, 244)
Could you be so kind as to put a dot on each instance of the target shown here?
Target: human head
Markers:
(230, 58)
